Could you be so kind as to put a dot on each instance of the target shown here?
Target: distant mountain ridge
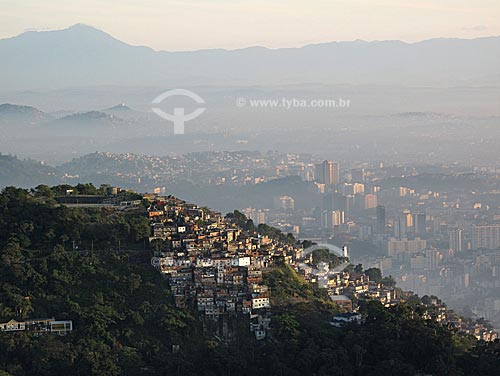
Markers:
(25, 173)
(14, 109)
(89, 116)
(118, 107)
(12, 112)
(18, 114)
(82, 55)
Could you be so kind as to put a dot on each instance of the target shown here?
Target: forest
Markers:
(92, 266)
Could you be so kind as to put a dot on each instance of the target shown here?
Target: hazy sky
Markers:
(196, 24)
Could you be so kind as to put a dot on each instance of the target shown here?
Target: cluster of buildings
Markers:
(346, 286)
(216, 268)
(212, 264)
(235, 168)
(435, 229)
(435, 309)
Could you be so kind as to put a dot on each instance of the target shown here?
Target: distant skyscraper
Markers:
(400, 228)
(319, 177)
(455, 235)
(358, 188)
(370, 201)
(380, 224)
(339, 217)
(396, 228)
(257, 216)
(332, 218)
(486, 237)
(395, 246)
(260, 217)
(328, 173)
(409, 219)
(419, 223)
(327, 219)
(335, 178)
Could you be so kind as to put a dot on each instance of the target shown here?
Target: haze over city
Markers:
(234, 187)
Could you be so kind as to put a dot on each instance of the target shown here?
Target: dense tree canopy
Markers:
(65, 263)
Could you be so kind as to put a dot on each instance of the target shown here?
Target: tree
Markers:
(358, 269)
(43, 190)
(86, 189)
(157, 245)
(388, 281)
(374, 274)
(139, 228)
(307, 243)
(61, 190)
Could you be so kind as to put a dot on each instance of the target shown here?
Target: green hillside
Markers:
(92, 266)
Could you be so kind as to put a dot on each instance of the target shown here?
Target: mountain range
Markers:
(13, 116)
(82, 56)
(25, 114)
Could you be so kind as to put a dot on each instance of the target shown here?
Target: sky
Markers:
(181, 25)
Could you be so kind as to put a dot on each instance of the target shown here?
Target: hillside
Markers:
(126, 324)
(25, 173)
(11, 113)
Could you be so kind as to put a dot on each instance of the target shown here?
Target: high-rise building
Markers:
(307, 173)
(380, 224)
(419, 223)
(339, 217)
(400, 228)
(332, 218)
(433, 258)
(260, 217)
(323, 172)
(327, 173)
(396, 228)
(327, 219)
(370, 201)
(428, 259)
(409, 219)
(486, 237)
(257, 216)
(353, 188)
(395, 247)
(335, 173)
(358, 188)
(455, 235)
